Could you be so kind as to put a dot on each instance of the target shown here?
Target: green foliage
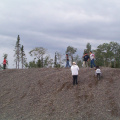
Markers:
(31, 64)
(23, 57)
(108, 55)
(58, 60)
(48, 62)
(39, 63)
(55, 60)
(71, 51)
(88, 48)
(42, 59)
(38, 52)
(17, 52)
(5, 56)
(78, 60)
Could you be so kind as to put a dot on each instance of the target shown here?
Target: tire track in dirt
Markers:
(64, 86)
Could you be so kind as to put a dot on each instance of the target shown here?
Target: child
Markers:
(97, 72)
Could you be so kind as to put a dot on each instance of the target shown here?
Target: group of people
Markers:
(86, 59)
(75, 68)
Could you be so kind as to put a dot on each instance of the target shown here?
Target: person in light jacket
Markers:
(74, 70)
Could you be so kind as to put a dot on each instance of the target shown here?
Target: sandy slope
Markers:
(48, 94)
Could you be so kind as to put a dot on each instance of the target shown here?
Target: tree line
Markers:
(106, 54)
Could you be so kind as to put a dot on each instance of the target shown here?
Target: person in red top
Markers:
(4, 63)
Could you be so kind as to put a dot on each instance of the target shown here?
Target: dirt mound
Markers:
(48, 94)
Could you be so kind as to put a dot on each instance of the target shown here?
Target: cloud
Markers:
(57, 24)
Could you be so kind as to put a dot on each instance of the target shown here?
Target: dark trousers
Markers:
(67, 63)
(75, 79)
(4, 66)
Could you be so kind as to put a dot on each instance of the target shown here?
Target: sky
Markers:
(57, 24)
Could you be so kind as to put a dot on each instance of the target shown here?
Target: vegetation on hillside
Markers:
(106, 54)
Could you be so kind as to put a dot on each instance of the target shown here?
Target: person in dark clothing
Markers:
(85, 60)
(67, 61)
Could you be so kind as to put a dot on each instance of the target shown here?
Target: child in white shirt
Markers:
(97, 71)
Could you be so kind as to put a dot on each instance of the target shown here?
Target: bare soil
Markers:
(48, 94)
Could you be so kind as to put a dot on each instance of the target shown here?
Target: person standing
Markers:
(92, 57)
(85, 60)
(67, 61)
(4, 63)
(74, 70)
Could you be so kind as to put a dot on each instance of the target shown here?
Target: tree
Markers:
(31, 64)
(88, 48)
(108, 55)
(78, 60)
(58, 60)
(115, 47)
(23, 57)
(5, 56)
(38, 53)
(71, 51)
(48, 62)
(55, 60)
(17, 52)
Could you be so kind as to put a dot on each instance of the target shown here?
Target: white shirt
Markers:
(92, 56)
(98, 71)
(74, 69)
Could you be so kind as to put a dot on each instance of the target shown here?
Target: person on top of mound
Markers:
(4, 63)
(85, 60)
(92, 57)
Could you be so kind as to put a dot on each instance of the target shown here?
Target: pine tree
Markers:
(88, 48)
(23, 57)
(17, 52)
(55, 60)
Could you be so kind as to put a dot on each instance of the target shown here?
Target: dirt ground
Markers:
(48, 94)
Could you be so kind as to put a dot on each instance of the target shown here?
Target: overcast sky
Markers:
(56, 24)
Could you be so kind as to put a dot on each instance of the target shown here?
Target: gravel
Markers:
(48, 94)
